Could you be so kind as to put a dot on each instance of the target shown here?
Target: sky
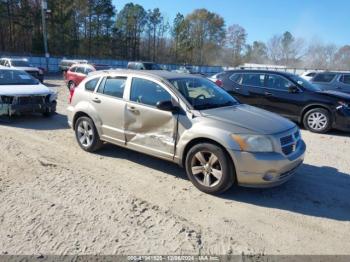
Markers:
(327, 21)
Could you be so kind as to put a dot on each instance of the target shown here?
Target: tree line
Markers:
(96, 29)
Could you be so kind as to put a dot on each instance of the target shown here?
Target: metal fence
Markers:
(53, 64)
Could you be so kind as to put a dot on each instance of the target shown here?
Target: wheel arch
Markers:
(198, 140)
(313, 106)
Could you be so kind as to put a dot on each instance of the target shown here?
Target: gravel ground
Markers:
(57, 199)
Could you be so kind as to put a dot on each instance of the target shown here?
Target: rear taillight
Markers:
(218, 82)
(71, 93)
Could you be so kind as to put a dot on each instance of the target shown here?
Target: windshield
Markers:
(304, 83)
(16, 77)
(151, 66)
(202, 93)
(20, 63)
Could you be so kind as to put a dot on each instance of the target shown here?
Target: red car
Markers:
(76, 73)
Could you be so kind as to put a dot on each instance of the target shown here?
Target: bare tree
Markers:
(236, 37)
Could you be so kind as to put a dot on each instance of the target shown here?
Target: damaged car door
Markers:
(148, 128)
(108, 101)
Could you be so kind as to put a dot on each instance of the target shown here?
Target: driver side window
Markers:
(278, 82)
(146, 92)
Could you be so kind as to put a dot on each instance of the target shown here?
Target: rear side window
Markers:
(88, 70)
(345, 79)
(113, 86)
(147, 92)
(324, 77)
(72, 69)
(253, 80)
(91, 84)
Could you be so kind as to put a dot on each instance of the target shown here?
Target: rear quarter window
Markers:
(237, 78)
(91, 84)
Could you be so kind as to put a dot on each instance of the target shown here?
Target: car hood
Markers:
(27, 68)
(337, 94)
(252, 118)
(24, 90)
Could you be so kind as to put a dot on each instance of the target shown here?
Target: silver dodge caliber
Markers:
(188, 120)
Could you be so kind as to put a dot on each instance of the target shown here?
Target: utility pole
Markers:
(43, 19)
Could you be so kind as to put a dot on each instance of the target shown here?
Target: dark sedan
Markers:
(290, 96)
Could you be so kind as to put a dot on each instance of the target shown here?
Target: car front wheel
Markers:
(318, 120)
(209, 168)
(86, 134)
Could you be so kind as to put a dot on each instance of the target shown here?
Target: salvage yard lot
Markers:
(57, 199)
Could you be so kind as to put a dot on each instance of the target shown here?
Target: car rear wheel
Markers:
(318, 120)
(87, 135)
(209, 168)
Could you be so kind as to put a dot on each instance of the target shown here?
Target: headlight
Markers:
(253, 143)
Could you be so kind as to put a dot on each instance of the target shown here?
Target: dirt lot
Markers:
(57, 199)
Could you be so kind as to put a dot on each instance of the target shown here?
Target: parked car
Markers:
(333, 81)
(65, 64)
(290, 96)
(76, 73)
(188, 120)
(185, 69)
(143, 66)
(216, 79)
(21, 93)
(308, 75)
(23, 64)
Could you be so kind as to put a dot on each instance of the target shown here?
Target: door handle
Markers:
(96, 100)
(268, 94)
(132, 109)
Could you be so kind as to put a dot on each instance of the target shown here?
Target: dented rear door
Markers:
(148, 129)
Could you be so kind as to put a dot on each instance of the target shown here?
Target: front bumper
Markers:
(266, 169)
(342, 119)
(17, 109)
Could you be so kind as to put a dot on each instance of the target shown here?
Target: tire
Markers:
(204, 158)
(49, 113)
(318, 120)
(71, 85)
(87, 135)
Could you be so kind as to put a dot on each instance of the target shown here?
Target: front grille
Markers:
(287, 150)
(290, 142)
(286, 140)
(30, 100)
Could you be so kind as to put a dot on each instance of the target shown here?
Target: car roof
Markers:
(9, 68)
(15, 59)
(283, 73)
(82, 65)
(153, 73)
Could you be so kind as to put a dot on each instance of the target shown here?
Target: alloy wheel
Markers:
(206, 168)
(85, 133)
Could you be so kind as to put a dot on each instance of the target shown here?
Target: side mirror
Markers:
(167, 106)
(293, 89)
